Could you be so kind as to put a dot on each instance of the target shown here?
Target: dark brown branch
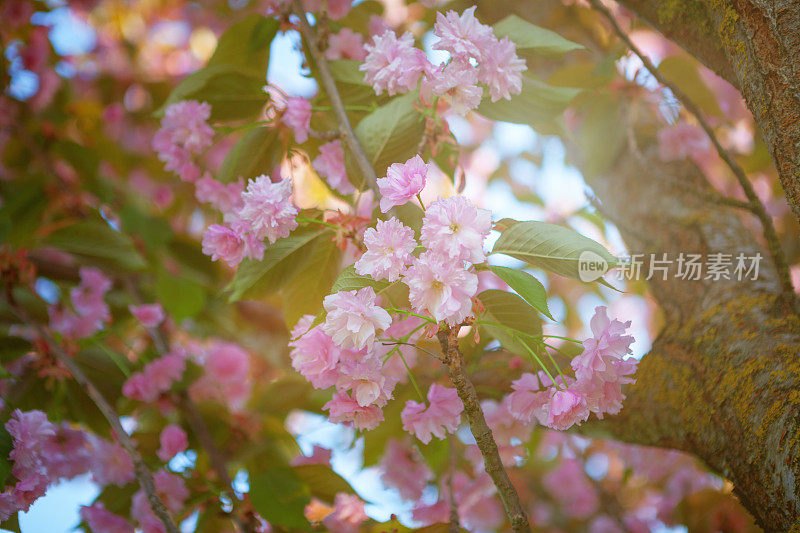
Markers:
(448, 340)
(756, 207)
(143, 474)
(346, 130)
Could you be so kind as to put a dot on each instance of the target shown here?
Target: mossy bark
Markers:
(722, 380)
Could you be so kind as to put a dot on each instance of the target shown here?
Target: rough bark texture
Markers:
(761, 40)
(722, 380)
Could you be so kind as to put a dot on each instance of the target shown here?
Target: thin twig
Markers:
(757, 208)
(448, 339)
(346, 130)
(193, 416)
(455, 526)
(143, 474)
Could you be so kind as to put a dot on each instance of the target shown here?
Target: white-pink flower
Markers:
(344, 409)
(150, 315)
(222, 243)
(389, 246)
(346, 44)
(353, 318)
(298, 117)
(501, 70)
(567, 408)
(441, 287)
(347, 516)
(268, 210)
(403, 182)
(315, 356)
(173, 441)
(463, 36)
(330, 165)
(441, 417)
(224, 197)
(393, 65)
(364, 378)
(403, 469)
(101, 520)
(604, 350)
(530, 397)
(457, 84)
(456, 229)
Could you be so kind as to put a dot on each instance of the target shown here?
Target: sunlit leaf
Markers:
(526, 286)
(509, 319)
(280, 496)
(98, 241)
(527, 35)
(537, 103)
(258, 152)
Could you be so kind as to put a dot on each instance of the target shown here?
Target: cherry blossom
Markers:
(403, 182)
(389, 246)
(298, 117)
(441, 417)
(149, 315)
(344, 409)
(441, 287)
(393, 65)
(173, 441)
(330, 165)
(402, 468)
(456, 229)
(346, 44)
(353, 318)
(462, 35)
(99, 519)
(268, 210)
(222, 243)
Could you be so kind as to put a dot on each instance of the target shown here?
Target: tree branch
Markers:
(346, 130)
(448, 340)
(143, 474)
(788, 295)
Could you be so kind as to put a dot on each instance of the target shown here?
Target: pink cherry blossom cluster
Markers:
(91, 313)
(600, 371)
(477, 58)
(44, 453)
(226, 374)
(184, 132)
(156, 377)
(266, 212)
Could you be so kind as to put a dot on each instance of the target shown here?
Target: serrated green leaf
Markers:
(234, 93)
(303, 294)
(529, 36)
(258, 152)
(548, 246)
(350, 280)
(682, 71)
(535, 105)
(323, 482)
(246, 43)
(280, 496)
(98, 241)
(181, 297)
(516, 317)
(390, 134)
(256, 278)
(526, 286)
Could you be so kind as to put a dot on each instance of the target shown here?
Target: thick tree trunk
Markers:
(722, 380)
(761, 41)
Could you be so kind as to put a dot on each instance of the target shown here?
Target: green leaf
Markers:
(280, 496)
(246, 43)
(346, 71)
(256, 153)
(350, 280)
(182, 298)
(324, 483)
(13, 347)
(536, 104)
(527, 35)
(526, 286)
(548, 246)
(234, 92)
(390, 134)
(304, 292)
(509, 310)
(682, 71)
(256, 278)
(98, 241)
